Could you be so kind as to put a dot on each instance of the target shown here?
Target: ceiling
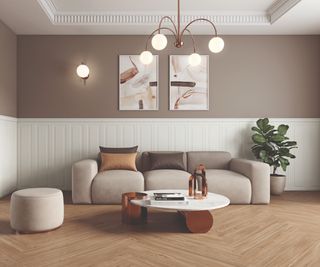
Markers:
(142, 16)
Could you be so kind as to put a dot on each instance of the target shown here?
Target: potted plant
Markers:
(272, 146)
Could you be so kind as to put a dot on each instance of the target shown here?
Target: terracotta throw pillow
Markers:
(115, 150)
(118, 161)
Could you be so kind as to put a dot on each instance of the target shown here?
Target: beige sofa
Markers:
(242, 181)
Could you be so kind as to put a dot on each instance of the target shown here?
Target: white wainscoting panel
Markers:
(8, 155)
(49, 147)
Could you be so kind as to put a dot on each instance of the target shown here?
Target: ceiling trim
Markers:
(278, 9)
(141, 19)
(49, 9)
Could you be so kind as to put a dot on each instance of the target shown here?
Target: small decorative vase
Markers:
(198, 172)
(277, 184)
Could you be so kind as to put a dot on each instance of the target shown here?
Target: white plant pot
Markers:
(277, 184)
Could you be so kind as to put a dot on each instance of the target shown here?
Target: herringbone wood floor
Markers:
(284, 233)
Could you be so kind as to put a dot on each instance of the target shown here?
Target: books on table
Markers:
(168, 198)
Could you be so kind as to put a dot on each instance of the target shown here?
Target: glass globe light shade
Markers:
(159, 41)
(216, 44)
(83, 71)
(194, 59)
(146, 57)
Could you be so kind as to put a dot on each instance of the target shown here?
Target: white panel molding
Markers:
(280, 8)
(8, 155)
(48, 147)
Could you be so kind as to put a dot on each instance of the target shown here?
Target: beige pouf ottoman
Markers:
(36, 210)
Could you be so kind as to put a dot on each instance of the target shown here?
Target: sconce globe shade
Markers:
(83, 71)
(194, 59)
(159, 41)
(216, 44)
(146, 57)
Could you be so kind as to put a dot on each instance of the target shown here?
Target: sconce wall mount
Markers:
(83, 71)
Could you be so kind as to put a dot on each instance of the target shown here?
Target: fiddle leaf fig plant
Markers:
(271, 145)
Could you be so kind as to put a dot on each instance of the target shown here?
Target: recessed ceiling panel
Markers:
(86, 17)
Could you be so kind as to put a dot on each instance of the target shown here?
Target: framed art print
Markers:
(188, 85)
(138, 84)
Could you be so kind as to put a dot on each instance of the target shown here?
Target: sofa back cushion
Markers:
(210, 159)
(147, 164)
(118, 150)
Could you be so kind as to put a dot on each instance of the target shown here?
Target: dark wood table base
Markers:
(133, 214)
(197, 221)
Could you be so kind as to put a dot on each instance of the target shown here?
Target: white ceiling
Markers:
(142, 16)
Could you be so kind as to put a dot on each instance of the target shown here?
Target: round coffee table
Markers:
(196, 213)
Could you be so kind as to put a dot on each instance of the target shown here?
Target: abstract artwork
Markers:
(189, 85)
(138, 84)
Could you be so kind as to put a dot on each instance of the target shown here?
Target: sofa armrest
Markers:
(83, 173)
(259, 175)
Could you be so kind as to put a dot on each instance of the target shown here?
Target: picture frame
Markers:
(138, 84)
(188, 85)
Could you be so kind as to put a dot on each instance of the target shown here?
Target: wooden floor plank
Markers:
(284, 233)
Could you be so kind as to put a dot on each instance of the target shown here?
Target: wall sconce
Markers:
(83, 71)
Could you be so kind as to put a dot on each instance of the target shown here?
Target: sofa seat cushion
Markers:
(235, 186)
(166, 179)
(108, 186)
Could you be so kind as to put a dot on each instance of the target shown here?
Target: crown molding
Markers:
(277, 10)
(280, 8)
(49, 8)
(142, 19)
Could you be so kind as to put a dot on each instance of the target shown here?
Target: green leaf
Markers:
(270, 133)
(277, 138)
(289, 143)
(269, 147)
(258, 138)
(283, 151)
(291, 156)
(256, 129)
(282, 129)
(284, 163)
(263, 155)
(269, 161)
(268, 128)
(262, 123)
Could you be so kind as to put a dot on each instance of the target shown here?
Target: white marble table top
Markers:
(211, 202)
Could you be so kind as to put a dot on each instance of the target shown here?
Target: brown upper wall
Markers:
(255, 76)
(8, 71)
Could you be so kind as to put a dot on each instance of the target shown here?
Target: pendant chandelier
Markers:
(159, 41)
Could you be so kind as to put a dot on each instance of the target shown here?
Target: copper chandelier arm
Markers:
(171, 20)
(160, 28)
(200, 19)
(193, 41)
